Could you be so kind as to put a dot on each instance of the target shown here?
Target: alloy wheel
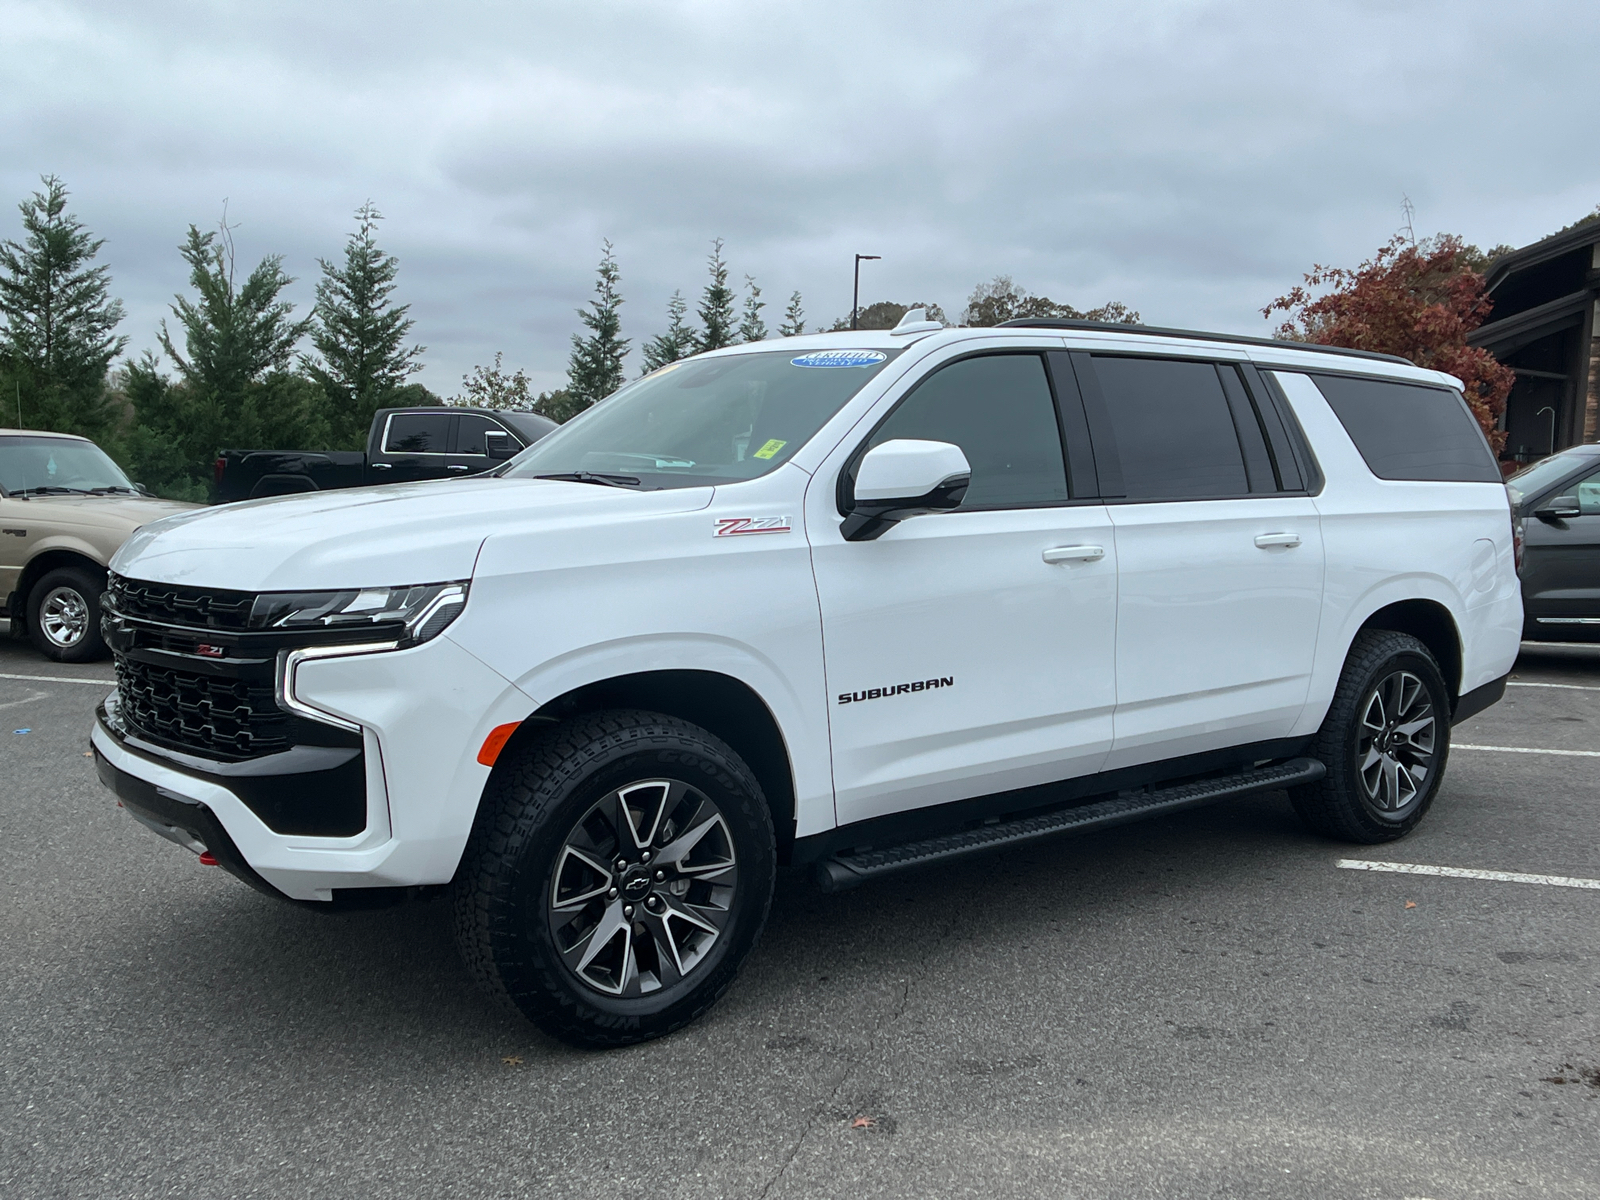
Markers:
(64, 617)
(1396, 744)
(643, 887)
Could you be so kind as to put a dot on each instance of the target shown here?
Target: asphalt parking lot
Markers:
(1201, 1006)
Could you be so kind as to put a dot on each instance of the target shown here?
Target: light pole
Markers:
(855, 296)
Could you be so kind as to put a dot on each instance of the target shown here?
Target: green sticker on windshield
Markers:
(771, 448)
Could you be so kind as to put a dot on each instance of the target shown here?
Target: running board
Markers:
(845, 871)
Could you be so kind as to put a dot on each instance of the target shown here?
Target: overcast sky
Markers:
(1190, 159)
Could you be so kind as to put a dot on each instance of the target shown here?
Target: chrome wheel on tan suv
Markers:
(64, 615)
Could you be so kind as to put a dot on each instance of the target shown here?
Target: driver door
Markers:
(959, 660)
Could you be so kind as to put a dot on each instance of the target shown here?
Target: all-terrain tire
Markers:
(1341, 805)
(64, 615)
(541, 793)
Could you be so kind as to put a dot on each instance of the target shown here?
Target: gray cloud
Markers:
(1190, 159)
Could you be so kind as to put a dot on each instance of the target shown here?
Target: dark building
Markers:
(1543, 327)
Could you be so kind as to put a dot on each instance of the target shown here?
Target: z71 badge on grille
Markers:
(728, 526)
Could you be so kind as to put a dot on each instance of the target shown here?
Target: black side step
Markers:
(845, 871)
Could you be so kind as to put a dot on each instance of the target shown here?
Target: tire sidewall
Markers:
(526, 957)
(1424, 668)
(90, 646)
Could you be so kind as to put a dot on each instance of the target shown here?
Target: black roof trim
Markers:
(1199, 336)
(1586, 233)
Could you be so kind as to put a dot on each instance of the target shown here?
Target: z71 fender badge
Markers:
(729, 526)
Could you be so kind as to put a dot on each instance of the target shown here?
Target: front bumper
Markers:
(422, 714)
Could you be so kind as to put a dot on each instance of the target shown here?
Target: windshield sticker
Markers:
(729, 526)
(839, 358)
(772, 447)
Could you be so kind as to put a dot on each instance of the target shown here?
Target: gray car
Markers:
(1558, 506)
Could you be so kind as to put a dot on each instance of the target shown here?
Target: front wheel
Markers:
(64, 615)
(619, 872)
(1384, 741)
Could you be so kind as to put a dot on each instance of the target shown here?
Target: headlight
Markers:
(420, 612)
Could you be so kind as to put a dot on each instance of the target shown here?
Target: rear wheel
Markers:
(64, 615)
(1384, 741)
(620, 870)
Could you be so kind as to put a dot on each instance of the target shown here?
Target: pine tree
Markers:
(752, 328)
(233, 336)
(677, 342)
(794, 318)
(716, 305)
(595, 369)
(59, 318)
(358, 334)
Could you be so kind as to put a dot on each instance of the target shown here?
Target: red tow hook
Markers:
(207, 859)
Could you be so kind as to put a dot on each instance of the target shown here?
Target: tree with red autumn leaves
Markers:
(1419, 300)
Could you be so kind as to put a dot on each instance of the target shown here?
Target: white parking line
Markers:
(1357, 864)
(60, 679)
(1526, 750)
(1566, 687)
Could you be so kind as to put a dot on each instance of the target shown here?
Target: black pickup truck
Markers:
(403, 444)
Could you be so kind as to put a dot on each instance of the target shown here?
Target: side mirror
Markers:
(904, 478)
(499, 445)
(1558, 509)
(141, 489)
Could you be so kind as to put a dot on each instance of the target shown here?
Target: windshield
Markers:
(704, 421)
(61, 466)
(1542, 474)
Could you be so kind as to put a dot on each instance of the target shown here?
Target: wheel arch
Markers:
(721, 704)
(40, 565)
(1432, 624)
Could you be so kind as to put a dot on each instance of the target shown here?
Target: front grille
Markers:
(196, 608)
(211, 715)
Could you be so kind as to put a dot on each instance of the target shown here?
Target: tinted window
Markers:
(418, 433)
(470, 433)
(1588, 493)
(999, 410)
(1173, 427)
(1406, 431)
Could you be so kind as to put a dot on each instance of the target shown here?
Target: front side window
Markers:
(1543, 474)
(472, 432)
(63, 466)
(704, 421)
(418, 433)
(999, 410)
(1174, 430)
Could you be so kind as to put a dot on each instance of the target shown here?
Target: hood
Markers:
(376, 536)
(124, 513)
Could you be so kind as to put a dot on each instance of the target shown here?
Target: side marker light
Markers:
(207, 859)
(496, 742)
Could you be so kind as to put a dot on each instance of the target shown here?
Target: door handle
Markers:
(1265, 540)
(381, 466)
(457, 467)
(1060, 554)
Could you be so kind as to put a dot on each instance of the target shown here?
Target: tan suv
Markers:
(65, 508)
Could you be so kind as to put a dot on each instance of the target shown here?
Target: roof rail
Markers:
(1197, 335)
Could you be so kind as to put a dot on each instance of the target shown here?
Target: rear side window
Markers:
(418, 433)
(998, 408)
(1408, 431)
(1174, 428)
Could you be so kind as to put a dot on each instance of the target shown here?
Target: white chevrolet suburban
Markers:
(856, 602)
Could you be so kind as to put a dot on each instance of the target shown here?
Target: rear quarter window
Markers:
(1410, 431)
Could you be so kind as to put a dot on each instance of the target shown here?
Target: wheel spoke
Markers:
(581, 955)
(681, 847)
(1391, 781)
(569, 852)
(669, 964)
(641, 808)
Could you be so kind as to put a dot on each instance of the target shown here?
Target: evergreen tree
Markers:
(358, 334)
(58, 338)
(677, 342)
(716, 305)
(794, 318)
(233, 336)
(595, 369)
(752, 328)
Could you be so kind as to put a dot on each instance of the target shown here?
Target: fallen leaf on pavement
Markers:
(863, 1123)
(1411, 903)
(512, 1060)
